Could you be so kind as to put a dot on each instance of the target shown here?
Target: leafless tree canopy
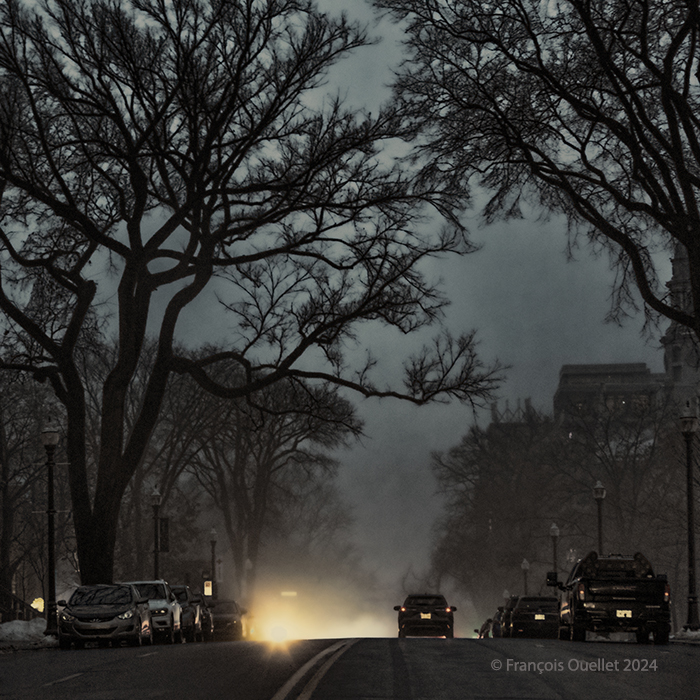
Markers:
(587, 107)
(184, 145)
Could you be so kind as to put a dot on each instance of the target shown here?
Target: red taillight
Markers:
(403, 609)
(667, 593)
(581, 591)
(448, 609)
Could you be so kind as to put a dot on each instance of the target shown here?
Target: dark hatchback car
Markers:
(228, 619)
(535, 616)
(105, 614)
(426, 615)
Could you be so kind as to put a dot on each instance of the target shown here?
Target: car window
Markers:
(226, 607)
(180, 594)
(120, 595)
(151, 590)
(426, 601)
(538, 604)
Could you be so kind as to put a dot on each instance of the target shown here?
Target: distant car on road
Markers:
(535, 616)
(106, 614)
(228, 619)
(191, 619)
(166, 612)
(426, 614)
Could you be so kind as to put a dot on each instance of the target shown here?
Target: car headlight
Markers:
(126, 615)
(66, 617)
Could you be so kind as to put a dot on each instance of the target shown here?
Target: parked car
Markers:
(535, 616)
(191, 619)
(497, 623)
(166, 612)
(507, 611)
(228, 619)
(206, 617)
(617, 593)
(106, 614)
(426, 614)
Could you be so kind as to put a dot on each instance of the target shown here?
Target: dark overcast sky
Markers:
(532, 310)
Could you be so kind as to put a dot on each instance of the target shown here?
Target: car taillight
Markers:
(667, 593)
(448, 609)
(581, 591)
(403, 609)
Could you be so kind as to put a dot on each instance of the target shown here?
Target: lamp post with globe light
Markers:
(689, 426)
(155, 502)
(49, 439)
(554, 534)
(599, 495)
(212, 539)
(525, 566)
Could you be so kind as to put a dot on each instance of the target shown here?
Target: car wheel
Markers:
(449, 634)
(578, 633)
(179, 636)
(565, 633)
(661, 636)
(642, 636)
(148, 639)
(190, 634)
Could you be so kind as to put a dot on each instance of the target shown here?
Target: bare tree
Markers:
(259, 460)
(177, 147)
(585, 107)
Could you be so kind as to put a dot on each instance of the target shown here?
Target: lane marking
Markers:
(62, 680)
(282, 693)
(313, 683)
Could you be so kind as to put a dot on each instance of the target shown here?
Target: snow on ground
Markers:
(26, 633)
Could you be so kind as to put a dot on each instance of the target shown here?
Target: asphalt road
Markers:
(364, 669)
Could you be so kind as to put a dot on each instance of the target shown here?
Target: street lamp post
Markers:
(525, 566)
(155, 502)
(599, 495)
(49, 439)
(212, 538)
(554, 533)
(689, 426)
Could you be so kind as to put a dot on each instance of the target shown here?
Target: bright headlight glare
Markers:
(67, 617)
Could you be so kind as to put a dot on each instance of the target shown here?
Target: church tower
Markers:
(681, 352)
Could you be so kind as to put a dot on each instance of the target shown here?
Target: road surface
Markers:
(362, 669)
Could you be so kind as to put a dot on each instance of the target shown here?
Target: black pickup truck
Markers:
(616, 593)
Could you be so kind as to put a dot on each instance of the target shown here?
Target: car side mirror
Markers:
(453, 608)
(397, 607)
(62, 603)
(553, 580)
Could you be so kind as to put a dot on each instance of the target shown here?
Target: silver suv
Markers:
(166, 613)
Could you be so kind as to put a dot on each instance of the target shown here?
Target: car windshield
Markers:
(538, 604)
(426, 600)
(226, 607)
(117, 595)
(151, 590)
(180, 594)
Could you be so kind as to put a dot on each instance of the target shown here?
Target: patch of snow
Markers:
(26, 631)
(687, 635)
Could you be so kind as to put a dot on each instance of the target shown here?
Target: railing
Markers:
(14, 608)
